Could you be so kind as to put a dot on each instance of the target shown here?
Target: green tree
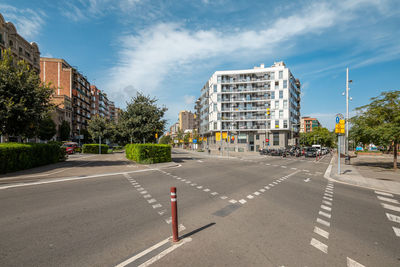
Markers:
(64, 131)
(319, 135)
(142, 119)
(98, 127)
(165, 139)
(47, 128)
(379, 122)
(23, 98)
(186, 138)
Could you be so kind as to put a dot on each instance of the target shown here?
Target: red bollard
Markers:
(174, 215)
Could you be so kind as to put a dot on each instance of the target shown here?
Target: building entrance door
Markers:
(251, 142)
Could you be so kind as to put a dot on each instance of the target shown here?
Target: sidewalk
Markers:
(373, 179)
(217, 154)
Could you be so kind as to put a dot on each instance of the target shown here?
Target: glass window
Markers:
(215, 107)
(284, 84)
(215, 126)
(276, 104)
(273, 113)
(284, 103)
(280, 94)
(276, 139)
(280, 74)
(280, 114)
(272, 75)
(285, 124)
(276, 123)
(219, 79)
(215, 88)
(272, 94)
(257, 137)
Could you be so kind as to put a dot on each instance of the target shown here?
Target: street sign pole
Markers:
(338, 154)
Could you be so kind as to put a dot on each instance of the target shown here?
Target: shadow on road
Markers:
(198, 230)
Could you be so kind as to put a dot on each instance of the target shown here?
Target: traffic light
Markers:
(268, 112)
(233, 138)
(266, 140)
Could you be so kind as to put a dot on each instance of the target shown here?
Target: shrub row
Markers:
(148, 153)
(17, 156)
(94, 148)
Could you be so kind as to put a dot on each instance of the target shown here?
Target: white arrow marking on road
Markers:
(390, 207)
(393, 218)
(388, 199)
(353, 263)
(307, 180)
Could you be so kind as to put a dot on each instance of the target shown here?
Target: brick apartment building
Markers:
(307, 124)
(68, 81)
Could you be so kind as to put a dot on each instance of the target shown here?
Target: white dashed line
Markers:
(143, 192)
(257, 193)
(327, 202)
(188, 182)
(327, 215)
(319, 245)
(250, 197)
(323, 222)
(200, 187)
(162, 212)
(193, 184)
(214, 193)
(232, 201)
(353, 263)
(321, 232)
(388, 199)
(242, 201)
(390, 207)
(393, 218)
(147, 196)
(266, 187)
(223, 197)
(396, 231)
(326, 208)
(137, 186)
(283, 167)
(262, 190)
(327, 198)
(151, 200)
(206, 190)
(384, 194)
(169, 220)
(156, 206)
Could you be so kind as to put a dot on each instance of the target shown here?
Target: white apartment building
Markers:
(257, 108)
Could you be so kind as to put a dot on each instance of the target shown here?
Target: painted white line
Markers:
(200, 187)
(147, 196)
(162, 212)
(390, 207)
(188, 182)
(266, 187)
(275, 183)
(267, 164)
(271, 185)
(393, 218)
(326, 208)
(327, 215)
(169, 220)
(391, 200)
(165, 252)
(328, 195)
(307, 180)
(214, 193)
(156, 206)
(383, 193)
(329, 191)
(353, 263)
(262, 190)
(327, 202)
(183, 180)
(223, 197)
(193, 184)
(327, 198)
(306, 171)
(396, 231)
(199, 161)
(319, 245)
(206, 190)
(283, 167)
(321, 232)
(293, 168)
(250, 197)
(323, 222)
(143, 192)
(257, 193)
(242, 201)
(151, 200)
(232, 201)
(137, 186)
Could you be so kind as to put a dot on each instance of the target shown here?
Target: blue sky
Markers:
(169, 49)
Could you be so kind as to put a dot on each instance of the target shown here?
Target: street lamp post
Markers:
(347, 159)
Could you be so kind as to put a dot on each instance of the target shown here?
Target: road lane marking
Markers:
(169, 220)
(188, 182)
(242, 201)
(250, 197)
(327, 202)
(151, 200)
(390, 207)
(396, 231)
(262, 190)
(266, 187)
(257, 193)
(156, 206)
(283, 167)
(206, 190)
(393, 218)
(327, 215)
(200, 187)
(319, 245)
(307, 180)
(321, 232)
(323, 222)
(353, 263)
(383, 193)
(326, 208)
(147, 196)
(327, 198)
(328, 195)
(223, 197)
(232, 201)
(193, 184)
(214, 193)
(388, 199)
(161, 212)
(293, 168)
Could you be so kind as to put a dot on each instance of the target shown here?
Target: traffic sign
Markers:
(337, 119)
(194, 141)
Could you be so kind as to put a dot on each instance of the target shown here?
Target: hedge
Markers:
(18, 156)
(148, 153)
(94, 148)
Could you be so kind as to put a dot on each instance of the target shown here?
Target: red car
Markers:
(70, 147)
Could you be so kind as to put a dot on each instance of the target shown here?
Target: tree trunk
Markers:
(395, 156)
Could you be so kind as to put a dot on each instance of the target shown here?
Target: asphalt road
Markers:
(250, 211)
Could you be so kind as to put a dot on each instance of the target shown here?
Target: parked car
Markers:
(70, 147)
(311, 152)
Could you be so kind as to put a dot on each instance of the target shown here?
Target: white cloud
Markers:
(27, 21)
(189, 99)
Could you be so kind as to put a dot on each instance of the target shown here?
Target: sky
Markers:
(169, 49)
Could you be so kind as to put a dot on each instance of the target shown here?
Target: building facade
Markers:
(186, 120)
(21, 49)
(251, 109)
(307, 124)
(62, 112)
(67, 80)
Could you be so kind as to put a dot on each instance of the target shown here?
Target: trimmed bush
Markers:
(94, 148)
(17, 156)
(148, 153)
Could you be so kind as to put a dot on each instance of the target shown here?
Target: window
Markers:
(273, 114)
(215, 88)
(280, 74)
(277, 124)
(284, 84)
(276, 104)
(272, 75)
(285, 124)
(284, 103)
(273, 95)
(215, 126)
(276, 85)
(1, 38)
(257, 137)
(219, 79)
(280, 94)
(275, 139)
(280, 114)
(20, 49)
(215, 107)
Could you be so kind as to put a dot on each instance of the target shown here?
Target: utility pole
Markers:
(347, 118)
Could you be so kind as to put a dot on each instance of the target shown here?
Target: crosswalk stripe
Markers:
(393, 218)
(391, 200)
(390, 207)
(319, 245)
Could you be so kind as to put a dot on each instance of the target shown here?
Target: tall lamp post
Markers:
(347, 159)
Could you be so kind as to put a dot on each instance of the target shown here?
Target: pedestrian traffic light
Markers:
(266, 140)
(156, 135)
(233, 138)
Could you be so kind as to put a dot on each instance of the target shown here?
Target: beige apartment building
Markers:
(20, 48)
(186, 120)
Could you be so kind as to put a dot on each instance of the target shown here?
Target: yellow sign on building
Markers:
(190, 140)
(224, 135)
(217, 136)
